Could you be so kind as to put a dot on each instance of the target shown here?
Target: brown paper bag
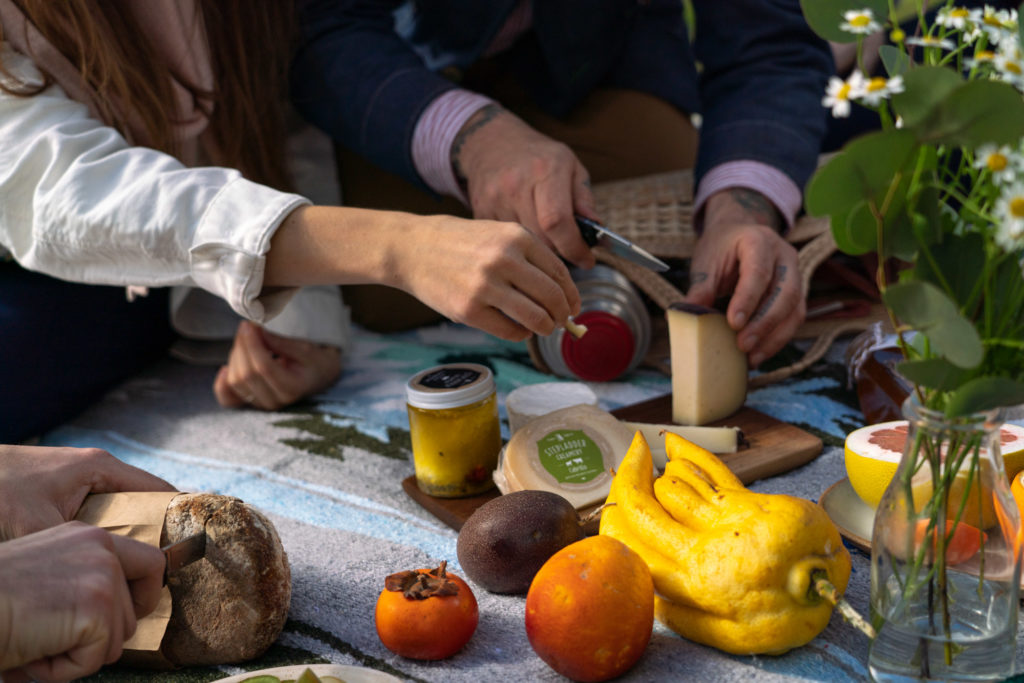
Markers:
(139, 516)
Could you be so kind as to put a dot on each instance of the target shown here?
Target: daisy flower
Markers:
(931, 41)
(880, 88)
(839, 93)
(1000, 160)
(959, 18)
(980, 57)
(997, 24)
(1009, 209)
(860, 21)
(1009, 63)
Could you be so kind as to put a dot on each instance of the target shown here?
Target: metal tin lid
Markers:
(450, 386)
(604, 352)
(620, 328)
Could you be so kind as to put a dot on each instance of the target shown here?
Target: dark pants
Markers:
(62, 345)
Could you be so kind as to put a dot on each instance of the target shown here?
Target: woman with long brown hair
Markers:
(142, 146)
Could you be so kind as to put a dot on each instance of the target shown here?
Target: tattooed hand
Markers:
(513, 173)
(741, 255)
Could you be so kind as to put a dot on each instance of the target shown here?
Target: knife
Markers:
(596, 234)
(183, 553)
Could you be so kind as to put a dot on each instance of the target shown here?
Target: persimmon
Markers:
(965, 543)
(426, 613)
(590, 609)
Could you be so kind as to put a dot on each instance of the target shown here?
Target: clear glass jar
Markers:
(454, 428)
(945, 555)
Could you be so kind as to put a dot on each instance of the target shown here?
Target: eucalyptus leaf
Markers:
(928, 221)
(1020, 25)
(975, 113)
(857, 234)
(924, 89)
(934, 373)
(895, 60)
(985, 393)
(926, 308)
(899, 237)
(863, 170)
(959, 260)
(825, 16)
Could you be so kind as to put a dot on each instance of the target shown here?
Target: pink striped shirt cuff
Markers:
(433, 136)
(775, 185)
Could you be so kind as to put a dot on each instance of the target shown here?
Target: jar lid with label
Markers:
(450, 386)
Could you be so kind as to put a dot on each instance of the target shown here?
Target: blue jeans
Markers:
(62, 345)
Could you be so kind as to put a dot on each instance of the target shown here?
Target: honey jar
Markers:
(454, 428)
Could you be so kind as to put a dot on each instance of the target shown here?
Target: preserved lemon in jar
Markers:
(454, 428)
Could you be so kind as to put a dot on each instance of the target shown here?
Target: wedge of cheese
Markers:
(709, 372)
(715, 439)
(571, 452)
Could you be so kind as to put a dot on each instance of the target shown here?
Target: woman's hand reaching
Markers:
(268, 371)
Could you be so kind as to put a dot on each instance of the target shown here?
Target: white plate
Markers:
(853, 516)
(349, 674)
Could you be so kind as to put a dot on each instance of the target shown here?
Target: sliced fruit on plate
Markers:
(872, 454)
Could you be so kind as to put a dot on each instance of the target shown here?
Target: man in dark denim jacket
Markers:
(514, 106)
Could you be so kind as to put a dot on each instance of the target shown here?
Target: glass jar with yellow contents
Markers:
(454, 427)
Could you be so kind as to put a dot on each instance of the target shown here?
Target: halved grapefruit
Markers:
(873, 452)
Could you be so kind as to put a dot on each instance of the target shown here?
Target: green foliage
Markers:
(934, 188)
(985, 393)
(926, 88)
(973, 114)
(927, 309)
(895, 61)
(825, 17)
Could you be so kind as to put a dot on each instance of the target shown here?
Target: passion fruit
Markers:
(506, 540)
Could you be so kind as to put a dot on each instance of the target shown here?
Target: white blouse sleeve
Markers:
(79, 203)
(315, 314)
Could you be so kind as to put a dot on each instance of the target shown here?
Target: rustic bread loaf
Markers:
(231, 605)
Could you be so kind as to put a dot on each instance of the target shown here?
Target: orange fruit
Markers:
(590, 609)
(1017, 489)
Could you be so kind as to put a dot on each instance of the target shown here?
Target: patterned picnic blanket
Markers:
(329, 472)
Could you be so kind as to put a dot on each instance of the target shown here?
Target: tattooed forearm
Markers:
(475, 123)
(760, 209)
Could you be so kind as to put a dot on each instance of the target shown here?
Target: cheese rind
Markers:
(571, 452)
(709, 372)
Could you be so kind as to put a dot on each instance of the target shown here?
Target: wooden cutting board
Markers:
(772, 447)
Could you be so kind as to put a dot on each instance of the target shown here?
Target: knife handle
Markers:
(588, 230)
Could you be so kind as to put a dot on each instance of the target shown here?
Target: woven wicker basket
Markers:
(656, 212)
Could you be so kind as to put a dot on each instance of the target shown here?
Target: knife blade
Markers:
(596, 234)
(183, 553)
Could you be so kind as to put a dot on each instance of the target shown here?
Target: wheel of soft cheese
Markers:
(571, 452)
(231, 605)
(533, 400)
